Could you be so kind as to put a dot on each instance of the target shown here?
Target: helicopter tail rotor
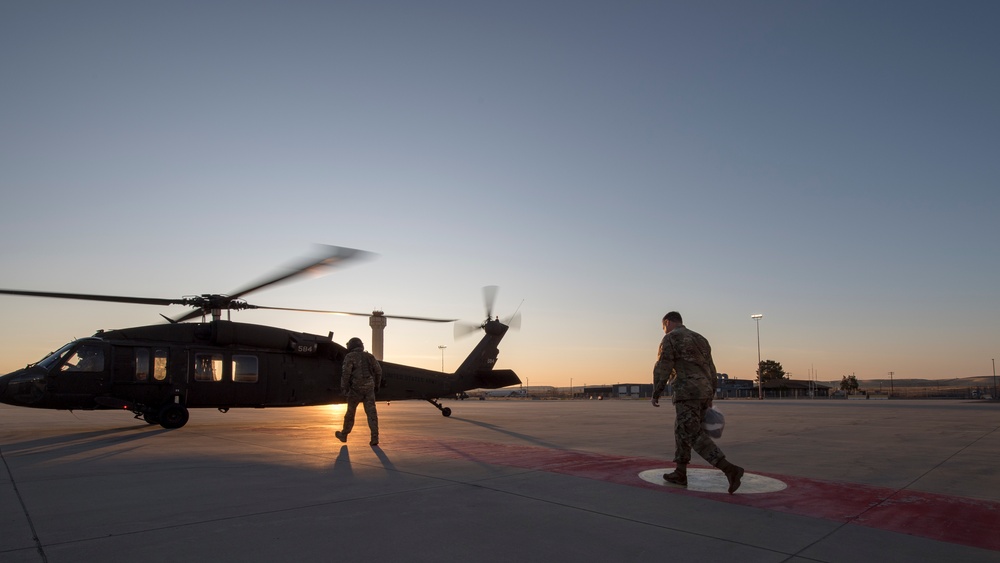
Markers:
(514, 321)
(463, 329)
(489, 299)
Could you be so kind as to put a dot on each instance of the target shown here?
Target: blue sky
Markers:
(831, 165)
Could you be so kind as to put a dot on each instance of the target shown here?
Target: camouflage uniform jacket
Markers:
(685, 360)
(361, 373)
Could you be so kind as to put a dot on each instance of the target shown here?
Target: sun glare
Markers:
(336, 410)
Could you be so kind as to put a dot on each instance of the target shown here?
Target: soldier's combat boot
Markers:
(678, 476)
(734, 473)
(340, 436)
(374, 441)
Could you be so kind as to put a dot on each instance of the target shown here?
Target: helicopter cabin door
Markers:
(139, 374)
(81, 376)
(225, 379)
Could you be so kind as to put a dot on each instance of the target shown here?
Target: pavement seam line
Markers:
(632, 520)
(247, 515)
(895, 493)
(900, 490)
(24, 509)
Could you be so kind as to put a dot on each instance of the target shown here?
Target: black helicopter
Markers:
(158, 372)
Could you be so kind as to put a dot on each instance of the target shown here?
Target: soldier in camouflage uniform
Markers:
(360, 379)
(685, 361)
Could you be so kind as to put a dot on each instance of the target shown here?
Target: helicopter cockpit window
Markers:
(160, 365)
(52, 359)
(86, 358)
(208, 367)
(245, 369)
(141, 364)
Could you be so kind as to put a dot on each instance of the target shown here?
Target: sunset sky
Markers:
(832, 165)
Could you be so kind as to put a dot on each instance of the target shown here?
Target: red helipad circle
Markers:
(714, 481)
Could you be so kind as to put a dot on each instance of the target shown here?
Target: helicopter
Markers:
(158, 372)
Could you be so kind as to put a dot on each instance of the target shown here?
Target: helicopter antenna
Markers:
(518, 307)
(514, 321)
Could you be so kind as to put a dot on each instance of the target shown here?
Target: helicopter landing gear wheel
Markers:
(445, 411)
(173, 415)
(150, 418)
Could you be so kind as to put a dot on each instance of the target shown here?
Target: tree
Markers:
(770, 370)
(849, 383)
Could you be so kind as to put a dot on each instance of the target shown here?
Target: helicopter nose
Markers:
(3, 389)
(22, 388)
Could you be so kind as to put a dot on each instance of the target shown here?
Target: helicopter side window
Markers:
(245, 369)
(141, 364)
(208, 367)
(87, 358)
(160, 364)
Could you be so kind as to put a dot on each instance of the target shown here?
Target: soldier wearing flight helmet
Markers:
(360, 378)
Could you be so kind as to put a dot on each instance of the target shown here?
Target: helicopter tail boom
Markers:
(477, 372)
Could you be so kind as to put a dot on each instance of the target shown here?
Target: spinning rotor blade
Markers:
(328, 257)
(89, 297)
(489, 298)
(465, 329)
(514, 321)
(399, 317)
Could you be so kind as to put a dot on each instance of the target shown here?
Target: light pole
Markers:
(890, 383)
(442, 347)
(995, 379)
(760, 376)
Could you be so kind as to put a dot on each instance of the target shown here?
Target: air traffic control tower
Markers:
(377, 322)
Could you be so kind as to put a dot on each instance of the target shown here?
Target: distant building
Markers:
(633, 390)
(735, 388)
(503, 393)
(794, 389)
(725, 388)
(596, 391)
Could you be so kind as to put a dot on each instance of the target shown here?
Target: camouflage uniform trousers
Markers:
(689, 433)
(368, 400)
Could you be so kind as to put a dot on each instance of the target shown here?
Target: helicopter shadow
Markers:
(65, 445)
(529, 439)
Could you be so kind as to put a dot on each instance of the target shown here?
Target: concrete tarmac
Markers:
(862, 481)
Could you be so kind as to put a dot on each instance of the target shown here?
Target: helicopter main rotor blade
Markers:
(328, 257)
(90, 297)
(399, 317)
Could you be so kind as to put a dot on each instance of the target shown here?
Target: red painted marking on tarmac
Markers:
(958, 520)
